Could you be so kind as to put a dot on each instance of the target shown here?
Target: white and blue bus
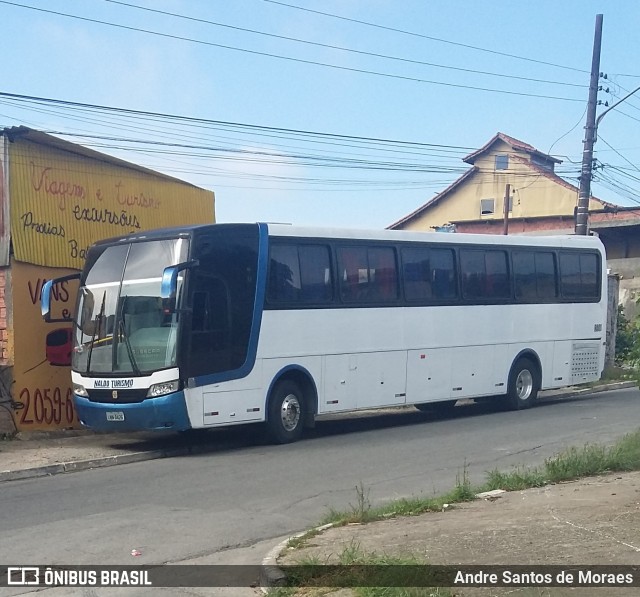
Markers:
(225, 324)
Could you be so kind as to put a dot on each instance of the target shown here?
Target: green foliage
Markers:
(627, 339)
(356, 568)
(520, 478)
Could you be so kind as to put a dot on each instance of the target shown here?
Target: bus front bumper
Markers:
(166, 413)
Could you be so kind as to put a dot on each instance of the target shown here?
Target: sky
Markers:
(346, 113)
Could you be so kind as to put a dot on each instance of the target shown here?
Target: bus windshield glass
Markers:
(122, 327)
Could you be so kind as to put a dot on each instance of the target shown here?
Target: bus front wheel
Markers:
(286, 412)
(523, 385)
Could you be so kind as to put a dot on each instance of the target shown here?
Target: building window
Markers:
(487, 207)
(502, 162)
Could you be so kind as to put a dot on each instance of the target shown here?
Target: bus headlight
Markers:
(161, 389)
(80, 390)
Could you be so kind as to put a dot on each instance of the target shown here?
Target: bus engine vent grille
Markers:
(585, 362)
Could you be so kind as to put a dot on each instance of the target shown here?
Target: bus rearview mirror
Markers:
(169, 283)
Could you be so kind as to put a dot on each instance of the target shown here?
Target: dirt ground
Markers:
(594, 521)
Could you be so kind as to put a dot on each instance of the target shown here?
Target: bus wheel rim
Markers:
(290, 412)
(524, 384)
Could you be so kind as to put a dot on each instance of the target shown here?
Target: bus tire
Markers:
(524, 384)
(286, 412)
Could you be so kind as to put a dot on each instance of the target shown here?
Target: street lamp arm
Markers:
(614, 105)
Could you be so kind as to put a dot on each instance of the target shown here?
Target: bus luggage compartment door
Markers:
(222, 408)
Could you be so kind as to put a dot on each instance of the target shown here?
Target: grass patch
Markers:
(361, 511)
(301, 540)
(356, 568)
(615, 373)
(571, 464)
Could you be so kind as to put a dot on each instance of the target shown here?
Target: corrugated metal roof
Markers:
(63, 197)
(26, 133)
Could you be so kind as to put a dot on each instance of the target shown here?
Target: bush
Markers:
(627, 340)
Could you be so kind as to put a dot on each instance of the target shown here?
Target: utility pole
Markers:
(507, 197)
(582, 213)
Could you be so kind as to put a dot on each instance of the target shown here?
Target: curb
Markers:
(83, 465)
(605, 387)
(271, 575)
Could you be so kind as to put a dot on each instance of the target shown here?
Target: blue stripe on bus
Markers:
(168, 413)
(278, 376)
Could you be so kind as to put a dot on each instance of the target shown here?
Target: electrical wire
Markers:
(293, 59)
(344, 49)
(438, 39)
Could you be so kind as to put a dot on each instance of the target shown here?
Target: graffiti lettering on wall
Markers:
(62, 201)
(43, 178)
(28, 223)
(42, 387)
(105, 216)
(47, 406)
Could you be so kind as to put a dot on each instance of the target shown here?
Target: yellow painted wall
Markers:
(60, 203)
(533, 193)
(41, 375)
(63, 202)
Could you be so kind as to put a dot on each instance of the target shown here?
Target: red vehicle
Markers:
(58, 350)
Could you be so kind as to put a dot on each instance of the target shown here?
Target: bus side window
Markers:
(354, 273)
(383, 276)
(473, 274)
(443, 274)
(497, 277)
(284, 274)
(315, 274)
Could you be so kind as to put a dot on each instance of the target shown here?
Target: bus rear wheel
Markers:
(523, 385)
(285, 420)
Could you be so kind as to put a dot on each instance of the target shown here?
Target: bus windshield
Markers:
(122, 327)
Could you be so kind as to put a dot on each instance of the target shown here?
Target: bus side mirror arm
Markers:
(169, 284)
(45, 296)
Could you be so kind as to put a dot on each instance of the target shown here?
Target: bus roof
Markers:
(564, 240)
(288, 230)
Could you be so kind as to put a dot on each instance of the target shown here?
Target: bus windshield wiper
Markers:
(125, 338)
(96, 330)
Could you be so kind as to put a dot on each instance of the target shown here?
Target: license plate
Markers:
(115, 416)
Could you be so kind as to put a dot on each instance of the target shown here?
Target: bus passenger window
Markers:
(443, 274)
(473, 274)
(524, 274)
(354, 273)
(315, 274)
(284, 274)
(497, 275)
(417, 273)
(546, 275)
(383, 277)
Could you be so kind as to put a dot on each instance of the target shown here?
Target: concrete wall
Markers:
(629, 272)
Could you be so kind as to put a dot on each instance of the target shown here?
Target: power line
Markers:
(342, 48)
(438, 39)
(618, 153)
(292, 59)
(196, 120)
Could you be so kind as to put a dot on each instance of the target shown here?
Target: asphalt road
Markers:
(244, 491)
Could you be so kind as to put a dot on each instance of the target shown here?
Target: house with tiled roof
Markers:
(539, 202)
(539, 199)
